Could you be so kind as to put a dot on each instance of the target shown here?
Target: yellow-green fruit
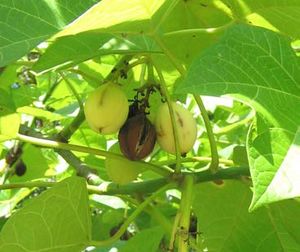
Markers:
(106, 108)
(186, 128)
(121, 171)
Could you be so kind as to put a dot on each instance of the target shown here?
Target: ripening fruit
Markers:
(137, 137)
(20, 168)
(186, 128)
(106, 108)
(121, 171)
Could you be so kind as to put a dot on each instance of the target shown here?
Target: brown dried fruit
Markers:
(137, 137)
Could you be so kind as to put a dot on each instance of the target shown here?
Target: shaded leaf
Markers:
(145, 241)
(226, 224)
(56, 221)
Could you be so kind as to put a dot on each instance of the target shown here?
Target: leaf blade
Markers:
(27, 23)
(57, 220)
(258, 67)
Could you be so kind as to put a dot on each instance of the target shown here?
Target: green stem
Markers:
(182, 71)
(69, 130)
(51, 90)
(193, 159)
(185, 212)
(123, 228)
(73, 90)
(136, 63)
(81, 168)
(116, 71)
(106, 188)
(151, 78)
(148, 186)
(163, 171)
(223, 7)
(214, 165)
(235, 125)
(172, 116)
(142, 75)
(227, 173)
(174, 231)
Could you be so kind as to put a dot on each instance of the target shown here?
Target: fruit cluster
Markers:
(107, 111)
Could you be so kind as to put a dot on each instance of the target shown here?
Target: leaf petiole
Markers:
(214, 165)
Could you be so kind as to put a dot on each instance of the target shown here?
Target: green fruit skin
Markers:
(106, 109)
(186, 128)
(121, 171)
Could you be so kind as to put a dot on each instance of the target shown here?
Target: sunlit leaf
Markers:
(26, 23)
(259, 67)
(282, 16)
(9, 126)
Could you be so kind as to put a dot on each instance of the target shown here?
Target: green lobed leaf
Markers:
(26, 23)
(117, 27)
(191, 22)
(70, 50)
(226, 224)
(258, 67)
(58, 220)
(282, 16)
(117, 16)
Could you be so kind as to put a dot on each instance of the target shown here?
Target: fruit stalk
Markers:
(174, 127)
(214, 165)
